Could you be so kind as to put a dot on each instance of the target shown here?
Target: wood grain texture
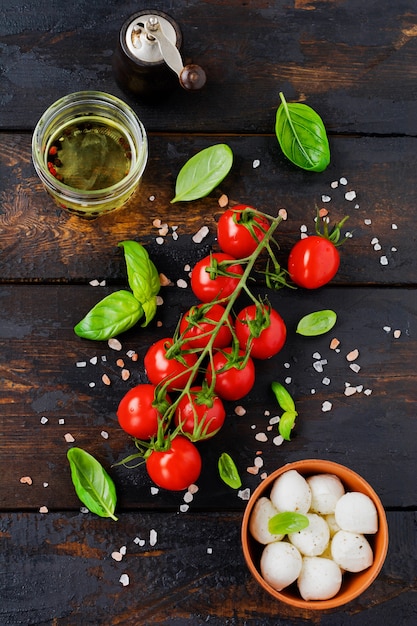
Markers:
(373, 434)
(354, 62)
(43, 243)
(166, 584)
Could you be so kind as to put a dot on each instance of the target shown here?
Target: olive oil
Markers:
(89, 153)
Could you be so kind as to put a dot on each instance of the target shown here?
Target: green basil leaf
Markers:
(284, 399)
(116, 313)
(203, 172)
(93, 485)
(302, 136)
(287, 522)
(317, 323)
(228, 471)
(286, 423)
(142, 274)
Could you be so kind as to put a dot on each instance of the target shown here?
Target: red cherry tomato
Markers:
(136, 413)
(176, 468)
(234, 382)
(206, 288)
(240, 229)
(313, 262)
(264, 327)
(198, 323)
(159, 368)
(200, 414)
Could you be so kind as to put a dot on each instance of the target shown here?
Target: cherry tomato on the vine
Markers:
(207, 288)
(234, 382)
(177, 467)
(199, 413)
(198, 323)
(159, 368)
(137, 414)
(265, 329)
(313, 262)
(240, 229)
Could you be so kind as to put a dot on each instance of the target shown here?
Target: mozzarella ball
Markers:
(280, 564)
(290, 492)
(356, 512)
(351, 551)
(312, 540)
(259, 519)
(319, 579)
(331, 522)
(326, 489)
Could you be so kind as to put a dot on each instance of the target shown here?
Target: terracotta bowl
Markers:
(353, 584)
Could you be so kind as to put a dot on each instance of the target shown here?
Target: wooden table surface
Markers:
(354, 62)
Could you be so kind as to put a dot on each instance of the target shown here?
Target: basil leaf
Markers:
(93, 485)
(284, 399)
(228, 471)
(287, 522)
(317, 323)
(143, 277)
(116, 313)
(302, 136)
(203, 172)
(286, 423)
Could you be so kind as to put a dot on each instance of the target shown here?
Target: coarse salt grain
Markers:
(43, 509)
(125, 374)
(45, 485)
(283, 214)
(159, 301)
(394, 226)
(326, 381)
(274, 420)
(92, 384)
(175, 235)
(261, 437)
(325, 198)
(44, 420)
(240, 411)
(377, 247)
(93, 360)
(157, 223)
(253, 470)
(69, 438)
(256, 163)
(188, 497)
(287, 365)
(352, 355)
(26, 480)
(209, 550)
(154, 491)
(184, 508)
(201, 234)
(120, 363)
(343, 181)
(106, 380)
(181, 283)
(367, 392)
(303, 228)
(323, 212)
(397, 334)
(153, 537)
(151, 198)
(355, 367)
(223, 201)
(193, 489)
(334, 343)
(81, 364)
(326, 406)
(350, 195)
(387, 329)
(349, 391)
(124, 579)
(116, 556)
(94, 283)
(159, 240)
(368, 222)
(61, 420)
(258, 461)
(383, 260)
(278, 440)
(244, 494)
(104, 434)
(317, 355)
(288, 380)
(334, 184)
(114, 344)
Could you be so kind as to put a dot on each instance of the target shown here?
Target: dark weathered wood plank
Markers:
(195, 573)
(374, 434)
(354, 63)
(41, 242)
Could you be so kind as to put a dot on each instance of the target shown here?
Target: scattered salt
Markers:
(383, 260)
(182, 284)
(106, 380)
(256, 163)
(154, 491)
(326, 406)
(325, 198)
(261, 437)
(355, 367)
(240, 411)
(69, 438)
(278, 440)
(349, 391)
(44, 420)
(334, 184)
(387, 329)
(188, 497)
(26, 480)
(159, 240)
(201, 234)
(397, 334)
(116, 556)
(43, 509)
(153, 537)
(274, 420)
(283, 214)
(223, 201)
(209, 550)
(244, 494)
(94, 283)
(124, 579)
(394, 226)
(353, 355)
(114, 344)
(343, 181)
(94, 360)
(81, 364)
(368, 222)
(326, 381)
(350, 195)
(104, 434)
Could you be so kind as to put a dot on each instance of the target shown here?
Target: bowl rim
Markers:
(309, 467)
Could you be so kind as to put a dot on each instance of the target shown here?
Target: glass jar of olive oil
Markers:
(90, 150)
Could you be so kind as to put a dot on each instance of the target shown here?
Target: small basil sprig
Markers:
(93, 485)
(317, 323)
(287, 522)
(302, 136)
(287, 404)
(121, 310)
(203, 172)
(228, 471)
